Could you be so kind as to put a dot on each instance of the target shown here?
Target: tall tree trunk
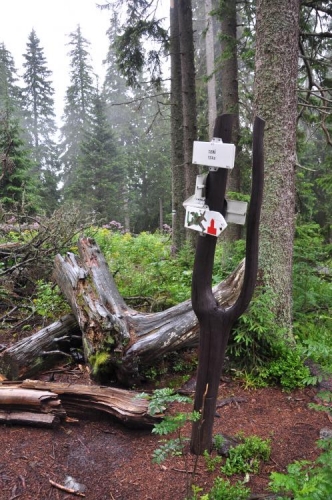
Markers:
(188, 92)
(211, 84)
(177, 158)
(230, 95)
(277, 31)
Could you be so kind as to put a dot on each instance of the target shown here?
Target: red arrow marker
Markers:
(211, 229)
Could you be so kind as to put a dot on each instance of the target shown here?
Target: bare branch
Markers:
(326, 34)
(318, 8)
(140, 99)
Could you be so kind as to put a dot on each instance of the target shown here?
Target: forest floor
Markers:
(111, 462)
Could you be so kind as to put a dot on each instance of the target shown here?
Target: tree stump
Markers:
(117, 340)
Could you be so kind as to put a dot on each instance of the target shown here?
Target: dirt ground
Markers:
(107, 461)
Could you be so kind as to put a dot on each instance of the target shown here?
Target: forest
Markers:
(92, 222)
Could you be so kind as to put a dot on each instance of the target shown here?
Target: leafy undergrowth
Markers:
(307, 480)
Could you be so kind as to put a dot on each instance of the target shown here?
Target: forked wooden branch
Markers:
(215, 320)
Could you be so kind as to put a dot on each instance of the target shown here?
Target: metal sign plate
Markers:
(204, 221)
(214, 154)
(236, 212)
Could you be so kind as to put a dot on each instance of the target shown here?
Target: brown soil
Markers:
(114, 463)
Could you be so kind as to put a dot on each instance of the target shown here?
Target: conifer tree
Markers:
(38, 104)
(115, 88)
(149, 170)
(78, 104)
(141, 126)
(97, 179)
(276, 102)
(17, 191)
(10, 92)
(120, 117)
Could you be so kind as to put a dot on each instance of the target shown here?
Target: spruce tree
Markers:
(98, 176)
(149, 174)
(78, 105)
(40, 123)
(10, 92)
(141, 126)
(120, 117)
(17, 190)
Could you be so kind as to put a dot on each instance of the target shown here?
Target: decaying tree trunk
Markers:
(29, 418)
(116, 338)
(33, 407)
(39, 351)
(125, 338)
(81, 400)
(45, 403)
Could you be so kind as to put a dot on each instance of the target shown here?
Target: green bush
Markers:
(259, 351)
(49, 303)
(211, 462)
(312, 294)
(287, 369)
(305, 480)
(159, 400)
(223, 490)
(245, 458)
(254, 336)
(144, 269)
(227, 258)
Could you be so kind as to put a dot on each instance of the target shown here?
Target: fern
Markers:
(305, 480)
(169, 448)
(160, 399)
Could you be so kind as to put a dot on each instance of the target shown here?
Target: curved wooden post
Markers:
(215, 321)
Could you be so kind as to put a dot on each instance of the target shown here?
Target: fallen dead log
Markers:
(80, 401)
(30, 407)
(117, 340)
(38, 352)
(29, 418)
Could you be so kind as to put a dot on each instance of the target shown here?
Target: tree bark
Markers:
(39, 351)
(177, 158)
(211, 84)
(275, 98)
(216, 321)
(229, 66)
(34, 407)
(29, 418)
(188, 92)
(230, 96)
(82, 401)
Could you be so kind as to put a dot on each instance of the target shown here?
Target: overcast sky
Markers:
(53, 20)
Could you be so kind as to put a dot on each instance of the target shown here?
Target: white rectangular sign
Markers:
(214, 154)
(236, 212)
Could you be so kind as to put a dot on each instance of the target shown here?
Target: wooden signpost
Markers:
(215, 321)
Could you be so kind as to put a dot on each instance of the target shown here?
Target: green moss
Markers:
(99, 362)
